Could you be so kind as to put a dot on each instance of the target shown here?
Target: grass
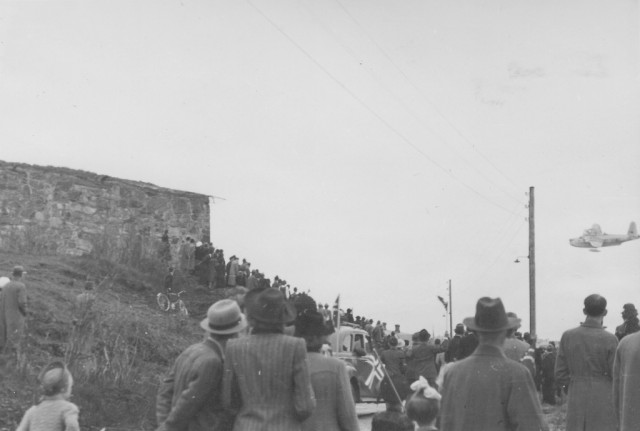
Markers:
(117, 353)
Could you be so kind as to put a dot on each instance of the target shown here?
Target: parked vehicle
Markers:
(353, 345)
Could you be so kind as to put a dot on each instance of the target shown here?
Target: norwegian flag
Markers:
(377, 372)
(445, 303)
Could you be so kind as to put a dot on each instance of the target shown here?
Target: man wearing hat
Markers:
(266, 379)
(487, 391)
(453, 350)
(13, 311)
(585, 363)
(189, 398)
(631, 324)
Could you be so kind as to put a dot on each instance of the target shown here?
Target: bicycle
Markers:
(172, 301)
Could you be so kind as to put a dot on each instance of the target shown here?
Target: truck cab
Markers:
(352, 345)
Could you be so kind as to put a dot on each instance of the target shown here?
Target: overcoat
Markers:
(515, 349)
(626, 383)
(489, 392)
(421, 361)
(189, 398)
(335, 408)
(13, 309)
(267, 383)
(585, 362)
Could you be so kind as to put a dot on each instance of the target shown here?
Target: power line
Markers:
(407, 108)
(371, 111)
(453, 126)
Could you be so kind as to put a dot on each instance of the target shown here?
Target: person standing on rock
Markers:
(13, 311)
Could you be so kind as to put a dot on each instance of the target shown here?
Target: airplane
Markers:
(594, 238)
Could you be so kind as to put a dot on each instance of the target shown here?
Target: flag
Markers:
(377, 373)
(445, 303)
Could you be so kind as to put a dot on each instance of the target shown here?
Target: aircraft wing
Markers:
(596, 243)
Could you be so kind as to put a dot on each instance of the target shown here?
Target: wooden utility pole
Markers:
(532, 266)
(450, 312)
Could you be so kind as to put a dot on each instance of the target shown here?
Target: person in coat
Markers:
(421, 360)
(232, 271)
(626, 383)
(266, 381)
(189, 398)
(630, 324)
(453, 350)
(548, 379)
(13, 311)
(585, 363)
(515, 349)
(335, 407)
(487, 391)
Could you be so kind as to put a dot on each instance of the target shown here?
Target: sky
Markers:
(372, 149)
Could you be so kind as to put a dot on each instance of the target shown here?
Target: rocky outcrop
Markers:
(55, 210)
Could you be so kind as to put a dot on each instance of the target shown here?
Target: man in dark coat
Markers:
(487, 391)
(630, 324)
(421, 359)
(453, 349)
(585, 363)
(190, 396)
(548, 376)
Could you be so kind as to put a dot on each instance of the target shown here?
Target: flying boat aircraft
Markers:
(594, 238)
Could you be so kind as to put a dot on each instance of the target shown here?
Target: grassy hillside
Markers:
(131, 342)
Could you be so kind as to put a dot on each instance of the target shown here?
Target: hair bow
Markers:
(422, 385)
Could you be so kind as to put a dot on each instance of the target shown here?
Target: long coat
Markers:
(335, 408)
(489, 392)
(421, 361)
(189, 398)
(626, 383)
(13, 310)
(267, 383)
(585, 362)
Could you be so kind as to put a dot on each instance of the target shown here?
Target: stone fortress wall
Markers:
(52, 210)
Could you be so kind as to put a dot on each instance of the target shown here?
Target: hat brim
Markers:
(242, 324)
(470, 323)
(288, 316)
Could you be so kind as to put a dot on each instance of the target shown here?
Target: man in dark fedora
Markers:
(266, 380)
(189, 398)
(335, 408)
(585, 363)
(13, 311)
(487, 391)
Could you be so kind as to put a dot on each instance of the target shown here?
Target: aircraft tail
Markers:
(633, 231)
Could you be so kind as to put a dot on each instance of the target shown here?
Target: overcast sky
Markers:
(369, 148)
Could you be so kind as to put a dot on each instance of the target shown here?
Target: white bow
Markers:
(423, 385)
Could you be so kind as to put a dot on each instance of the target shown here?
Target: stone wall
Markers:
(52, 210)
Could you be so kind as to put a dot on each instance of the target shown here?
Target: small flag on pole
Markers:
(445, 303)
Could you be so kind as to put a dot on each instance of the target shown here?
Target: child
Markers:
(423, 405)
(53, 412)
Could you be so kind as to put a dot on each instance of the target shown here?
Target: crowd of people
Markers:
(262, 366)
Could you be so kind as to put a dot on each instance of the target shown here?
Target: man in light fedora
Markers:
(487, 391)
(189, 398)
(266, 379)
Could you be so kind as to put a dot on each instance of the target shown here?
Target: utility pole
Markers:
(450, 312)
(532, 266)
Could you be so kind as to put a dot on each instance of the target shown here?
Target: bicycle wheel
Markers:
(163, 301)
(182, 308)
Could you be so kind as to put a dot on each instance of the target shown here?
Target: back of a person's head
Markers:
(595, 305)
(55, 379)
(421, 409)
(391, 421)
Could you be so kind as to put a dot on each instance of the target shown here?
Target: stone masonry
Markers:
(51, 210)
